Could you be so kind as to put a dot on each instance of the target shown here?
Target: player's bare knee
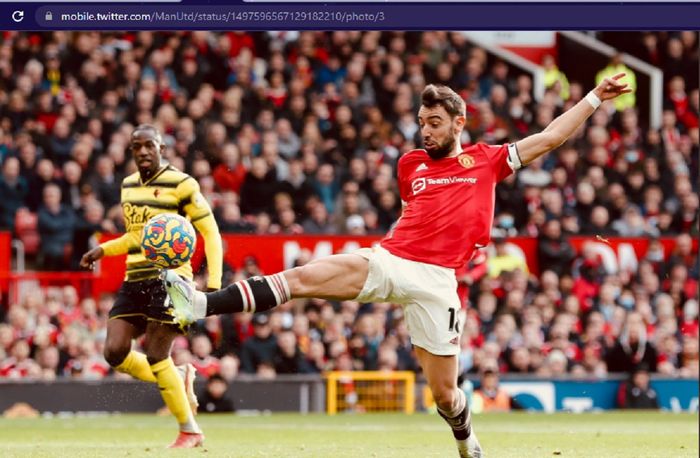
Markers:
(297, 279)
(115, 353)
(444, 397)
(154, 357)
(157, 351)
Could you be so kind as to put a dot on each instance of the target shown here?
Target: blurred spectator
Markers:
(288, 358)
(48, 362)
(490, 396)
(387, 358)
(615, 66)
(553, 251)
(632, 349)
(556, 364)
(14, 191)
(519, 360)
(88, 224)
(72, 184)
(690, 357)
(355, 225)
(554, 78)
(19, 364)
(229, 367)
(632, 224)
(230, 174)
(326, 186)
(599, 222)
(534, 175)
(45, 174)
(56, 224)
(258, 188)
(260, 348)
(202, 359)
(503, 260)
(674, 64)
(636, 393)
(215, 398)
(318, 222)
(266, 371)
(61, 141)
(105, 183)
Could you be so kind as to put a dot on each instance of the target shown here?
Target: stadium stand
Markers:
(300, 132)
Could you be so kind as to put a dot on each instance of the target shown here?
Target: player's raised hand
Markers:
(88, 260)
(611, 87)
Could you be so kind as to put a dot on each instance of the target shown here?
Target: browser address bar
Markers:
(370, 15)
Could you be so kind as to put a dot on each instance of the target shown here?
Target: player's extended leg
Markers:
(336, 277)
(441, 374)
(118, 352)
(159, 339)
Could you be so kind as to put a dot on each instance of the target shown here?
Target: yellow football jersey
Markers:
(167, 191)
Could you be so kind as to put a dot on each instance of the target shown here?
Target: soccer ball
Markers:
(168, 240)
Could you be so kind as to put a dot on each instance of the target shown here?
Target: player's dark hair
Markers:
(156, 133)
(438, 95)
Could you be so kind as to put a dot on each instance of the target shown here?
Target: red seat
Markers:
(26, 224)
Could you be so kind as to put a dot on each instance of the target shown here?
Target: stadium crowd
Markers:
(292, 133)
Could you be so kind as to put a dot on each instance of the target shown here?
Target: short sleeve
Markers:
(404, 188)
(504, 160)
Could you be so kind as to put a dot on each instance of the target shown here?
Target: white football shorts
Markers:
(427, 292)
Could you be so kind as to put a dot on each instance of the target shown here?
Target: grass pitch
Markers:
(518, 435)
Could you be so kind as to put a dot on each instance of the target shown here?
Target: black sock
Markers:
(461, 425)
(256, 294)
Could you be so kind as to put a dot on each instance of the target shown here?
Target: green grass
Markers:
(518, 435)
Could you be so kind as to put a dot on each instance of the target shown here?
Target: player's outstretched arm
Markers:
(113, 247)
(202, 218)
(559, 130)
(213, 249)
(88, 260)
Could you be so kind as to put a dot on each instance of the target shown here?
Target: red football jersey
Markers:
(449, 204)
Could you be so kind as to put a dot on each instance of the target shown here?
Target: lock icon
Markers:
(48, 16)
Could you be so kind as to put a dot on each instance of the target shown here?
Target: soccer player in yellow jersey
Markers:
(140, 306)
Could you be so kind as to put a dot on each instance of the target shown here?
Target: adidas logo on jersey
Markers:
(422, 167)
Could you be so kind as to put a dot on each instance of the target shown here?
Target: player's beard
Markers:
(442, 150)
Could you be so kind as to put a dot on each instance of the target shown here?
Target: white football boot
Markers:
(181, 298)
(470, 448)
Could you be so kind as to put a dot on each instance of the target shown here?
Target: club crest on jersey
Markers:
(418, 185)
(466, 161)
(198, 200)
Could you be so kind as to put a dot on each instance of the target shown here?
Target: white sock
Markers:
(200, 305)
(190, 426)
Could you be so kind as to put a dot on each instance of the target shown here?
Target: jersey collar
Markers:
(155, 175)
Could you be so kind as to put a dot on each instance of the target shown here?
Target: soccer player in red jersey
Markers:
(448, 208)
